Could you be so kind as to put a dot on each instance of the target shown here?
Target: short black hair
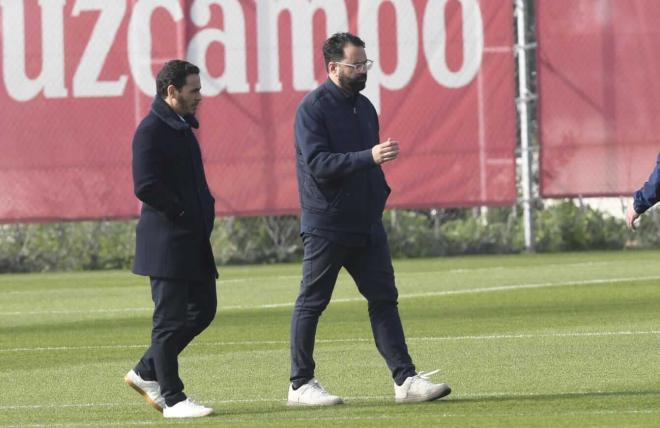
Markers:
(333, 48)
(174, 72)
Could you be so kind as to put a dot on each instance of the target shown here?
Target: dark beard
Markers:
(353, 84)
(188, 109)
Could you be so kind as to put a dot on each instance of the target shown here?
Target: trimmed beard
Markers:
(353, 84)
(188, 108)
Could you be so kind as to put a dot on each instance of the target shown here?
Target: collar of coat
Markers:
(165, 113)
(339, 93)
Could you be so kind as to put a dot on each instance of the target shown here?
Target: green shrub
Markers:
(567, 227)
(647, 234)
(411, 233)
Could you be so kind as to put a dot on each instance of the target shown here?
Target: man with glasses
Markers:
(342, 196)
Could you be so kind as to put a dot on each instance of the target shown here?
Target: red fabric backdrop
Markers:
(78, 77)
(598, 89)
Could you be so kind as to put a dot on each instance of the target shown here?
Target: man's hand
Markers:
(631, 217)
(385, 152)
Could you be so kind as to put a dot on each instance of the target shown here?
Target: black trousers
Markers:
(371, 268)
(183, 309)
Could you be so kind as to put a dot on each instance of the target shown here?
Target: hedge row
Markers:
(110, 244)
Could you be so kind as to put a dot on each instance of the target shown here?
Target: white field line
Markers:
(297, 278)
(360, 299)
(350, 340)
(455, 395)
(76, 311)
(468, 291)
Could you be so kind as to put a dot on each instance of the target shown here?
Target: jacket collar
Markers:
(165, 113)
(339, 93)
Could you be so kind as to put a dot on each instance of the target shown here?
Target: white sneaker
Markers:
(312, 394)
(186, 409)
(149, 389)
(418, 388)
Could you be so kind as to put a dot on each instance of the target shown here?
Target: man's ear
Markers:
(171, 91)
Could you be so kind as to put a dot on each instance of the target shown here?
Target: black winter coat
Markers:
(176, 220)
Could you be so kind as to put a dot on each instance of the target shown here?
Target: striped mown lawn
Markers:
(529, 340)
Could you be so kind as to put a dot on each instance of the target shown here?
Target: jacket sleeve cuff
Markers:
(365, 158)
(639, 204)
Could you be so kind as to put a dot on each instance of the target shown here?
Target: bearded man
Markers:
(342, 192)
(172, 237)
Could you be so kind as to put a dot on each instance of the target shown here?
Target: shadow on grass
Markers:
(280, 408)
(550, 397)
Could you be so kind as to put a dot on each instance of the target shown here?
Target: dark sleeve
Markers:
(647, 196)
(312, 139)
(149, 167)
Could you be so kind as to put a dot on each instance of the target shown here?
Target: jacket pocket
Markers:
(311, 197)
(314, 198)
(353, 196)
(338, 197)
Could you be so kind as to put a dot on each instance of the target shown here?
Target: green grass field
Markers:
(530, 340)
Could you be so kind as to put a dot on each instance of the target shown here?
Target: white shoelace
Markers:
(318, 387)
(193, 404)
(427, 375)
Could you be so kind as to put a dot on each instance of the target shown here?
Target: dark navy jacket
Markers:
(649, 194)
(341, 188)
(172, 236)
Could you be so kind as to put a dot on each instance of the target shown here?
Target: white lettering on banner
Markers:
(302, 16)
(139, 40)
(233, 39)
(86, 80)
(51, 79)
(406, 45)
(473, 43)
(233, 36)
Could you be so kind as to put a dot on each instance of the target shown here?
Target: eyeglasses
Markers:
(360, 66)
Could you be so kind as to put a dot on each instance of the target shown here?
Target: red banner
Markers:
(598, 92)
(78, 76)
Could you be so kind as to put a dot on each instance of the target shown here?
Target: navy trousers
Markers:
(370, 266)
(183, 309)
